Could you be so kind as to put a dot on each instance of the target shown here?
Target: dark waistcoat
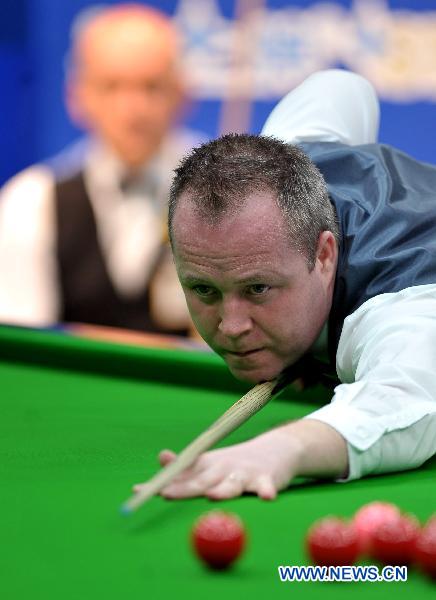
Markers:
(385, 203)
(88, 295)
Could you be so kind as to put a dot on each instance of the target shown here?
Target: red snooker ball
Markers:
(369, 518)
(218, 538)
(425, 548)
(332, 542)
(394, 541)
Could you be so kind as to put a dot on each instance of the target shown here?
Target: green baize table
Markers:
(82, 420)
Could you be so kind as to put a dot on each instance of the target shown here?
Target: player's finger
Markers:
(187, 474)
(193, 486)
(264, 487)
(166, 457)
(231, 486)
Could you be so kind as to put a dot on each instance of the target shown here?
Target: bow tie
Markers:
(138, 185)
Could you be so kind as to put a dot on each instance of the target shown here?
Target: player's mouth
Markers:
(245, 354)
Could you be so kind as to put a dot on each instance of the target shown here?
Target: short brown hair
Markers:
(219, 175)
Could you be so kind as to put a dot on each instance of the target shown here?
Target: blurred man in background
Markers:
(82, 238)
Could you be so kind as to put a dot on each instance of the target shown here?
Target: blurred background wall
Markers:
(237, 67)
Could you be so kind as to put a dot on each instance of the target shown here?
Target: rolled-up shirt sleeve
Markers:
(385, 406)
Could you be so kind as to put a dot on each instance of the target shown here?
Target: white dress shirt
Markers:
(385, 407)
(130, 229)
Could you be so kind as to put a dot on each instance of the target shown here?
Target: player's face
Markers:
(250, 294)
(126, 90)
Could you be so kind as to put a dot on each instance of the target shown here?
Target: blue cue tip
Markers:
(125, 510)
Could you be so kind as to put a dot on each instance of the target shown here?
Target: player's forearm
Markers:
(320, 450)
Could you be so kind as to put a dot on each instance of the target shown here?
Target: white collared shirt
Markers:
(385, 406)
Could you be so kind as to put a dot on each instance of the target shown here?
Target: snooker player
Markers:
(278, 265)
(82, 238)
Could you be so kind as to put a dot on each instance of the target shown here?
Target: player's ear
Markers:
(327, 251)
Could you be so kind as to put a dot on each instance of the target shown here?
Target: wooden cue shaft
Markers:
(237, 414)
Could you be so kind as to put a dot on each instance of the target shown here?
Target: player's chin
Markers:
(254, 374)
(136, 154)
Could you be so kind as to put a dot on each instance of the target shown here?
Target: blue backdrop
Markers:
(34, 38)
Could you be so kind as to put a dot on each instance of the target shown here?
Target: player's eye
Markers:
(108, 86)
(204, 291)
(154, 87)
(258, 289)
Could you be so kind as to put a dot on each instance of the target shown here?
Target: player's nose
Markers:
(234, 320)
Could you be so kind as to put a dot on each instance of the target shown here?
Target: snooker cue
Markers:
(237, 414)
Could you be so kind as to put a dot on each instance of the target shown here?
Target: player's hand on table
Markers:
(263, 465)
